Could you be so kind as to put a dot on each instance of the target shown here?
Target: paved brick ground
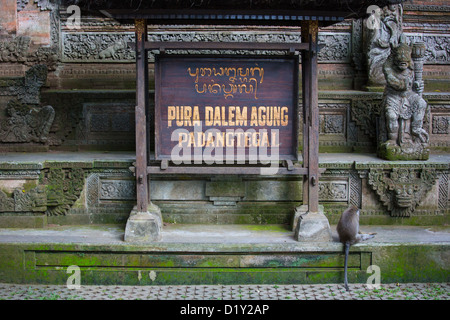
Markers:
(410, 291)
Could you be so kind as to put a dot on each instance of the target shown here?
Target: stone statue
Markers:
(403, 109)
(381, 39)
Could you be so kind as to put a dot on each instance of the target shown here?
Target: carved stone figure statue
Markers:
(381, 38)
(23, 119)
(403, 109)
(24, 123)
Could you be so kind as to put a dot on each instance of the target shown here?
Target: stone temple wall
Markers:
(72, 89)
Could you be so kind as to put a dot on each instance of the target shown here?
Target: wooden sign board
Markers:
(246, 104)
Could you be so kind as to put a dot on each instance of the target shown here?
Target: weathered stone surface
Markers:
(383, 30)
(402, 189)
(402, 136)
(144, 227)
(311, 226)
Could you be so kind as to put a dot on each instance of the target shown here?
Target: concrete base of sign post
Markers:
(144, 227)
(311, 226)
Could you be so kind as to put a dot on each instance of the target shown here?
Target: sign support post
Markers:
(145, 222)
(310, 223)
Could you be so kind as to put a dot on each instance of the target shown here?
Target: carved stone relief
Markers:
(109, 186)
(340, 183)
(332, 124)
(364, 113)
(18, 50)
(437, 46)
(381, 39)
(23, 119)
(26, 124)
(97, 47)
(14, 49)
(117, 190)
(112, 47)
(56, 191)
(443, 200)
(33, 200)
(63, 188)
(333, 191)
(6, 203)
(401, 190)
(440, 124)
(107, 123)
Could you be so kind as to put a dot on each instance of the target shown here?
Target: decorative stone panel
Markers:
(437, 46)
(401, 190)
(112, 46)
(107, 123)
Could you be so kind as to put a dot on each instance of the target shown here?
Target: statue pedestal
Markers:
(311, 226)
(144, 227)
(406, 151)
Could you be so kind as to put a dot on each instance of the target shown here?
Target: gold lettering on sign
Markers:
(227, 81)
(229, 139)
(228, 116)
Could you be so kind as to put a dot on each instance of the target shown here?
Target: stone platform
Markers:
(60, 209)
(76, 188)
(219, 254)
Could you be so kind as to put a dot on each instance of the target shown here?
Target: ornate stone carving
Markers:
(63, 188)
(57, 191)
(440, 125)
(332, 124)
(113, 51)
(381, 39)
(47, 56)
(402, 136)
(402, 189)
(443, 191)
(336, 47)
(17, 49)
(97, 47)
(14, 49)
(118, 190)
(111, 47)
(29, 91)
(6, 203)
(364, 113)
(26, 124)
(437, 46)
(333, 191)
(34, 200)
(24, 120)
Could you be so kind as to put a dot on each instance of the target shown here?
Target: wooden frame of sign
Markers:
(230, 109)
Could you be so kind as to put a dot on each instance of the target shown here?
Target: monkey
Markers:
(349, 234)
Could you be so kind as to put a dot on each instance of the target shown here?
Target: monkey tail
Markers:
(347, 249)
